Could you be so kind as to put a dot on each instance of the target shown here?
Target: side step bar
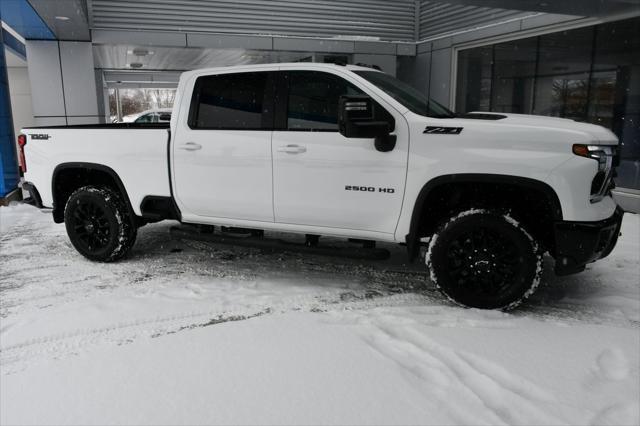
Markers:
(258, 241)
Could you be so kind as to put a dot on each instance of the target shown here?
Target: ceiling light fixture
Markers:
(62, 18)
(136, 65)
(141, 52)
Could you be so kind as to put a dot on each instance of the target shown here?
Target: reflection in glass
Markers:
(514, 68)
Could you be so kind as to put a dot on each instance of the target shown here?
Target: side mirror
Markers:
(360, 117)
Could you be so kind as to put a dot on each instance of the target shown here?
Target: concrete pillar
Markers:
(9, 174)
(415, 70)
(63, 83)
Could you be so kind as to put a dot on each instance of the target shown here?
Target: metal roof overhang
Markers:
(587, 8)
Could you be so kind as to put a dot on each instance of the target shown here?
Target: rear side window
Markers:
(229, 101)
(313, 100)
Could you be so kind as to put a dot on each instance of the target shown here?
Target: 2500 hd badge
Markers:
(368, 189)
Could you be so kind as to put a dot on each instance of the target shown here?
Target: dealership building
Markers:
(69, 62)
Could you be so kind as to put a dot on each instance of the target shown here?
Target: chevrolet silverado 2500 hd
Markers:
(344, 151)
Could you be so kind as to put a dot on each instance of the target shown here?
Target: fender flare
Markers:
(58, 210)
(412, 238)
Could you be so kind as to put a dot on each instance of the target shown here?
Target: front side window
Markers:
(411, 98)
(229, 101)
(313, 100)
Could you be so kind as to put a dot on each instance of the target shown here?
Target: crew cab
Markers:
(343, 151)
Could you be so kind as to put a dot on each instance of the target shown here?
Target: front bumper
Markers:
(579, 243)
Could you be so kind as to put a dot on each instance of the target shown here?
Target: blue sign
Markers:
(20, 16)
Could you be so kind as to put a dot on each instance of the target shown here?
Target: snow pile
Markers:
(197, 333)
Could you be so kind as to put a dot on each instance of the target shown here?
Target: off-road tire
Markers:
(484, 259)
(99, 224)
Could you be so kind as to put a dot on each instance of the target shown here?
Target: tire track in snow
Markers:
(19, 355)
(484, 387)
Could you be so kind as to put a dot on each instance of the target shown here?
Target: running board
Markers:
(191, 233)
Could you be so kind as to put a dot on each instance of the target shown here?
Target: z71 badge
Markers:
(369, 189)
(443, 130)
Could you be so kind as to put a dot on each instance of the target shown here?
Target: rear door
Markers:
(322, 178)
(222, 150)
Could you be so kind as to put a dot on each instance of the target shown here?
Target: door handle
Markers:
(190, 146)
(292, 149)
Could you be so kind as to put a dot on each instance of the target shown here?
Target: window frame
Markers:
(274, 114)
(282, 108)
(268, 100)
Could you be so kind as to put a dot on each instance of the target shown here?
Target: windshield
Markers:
(406, 95)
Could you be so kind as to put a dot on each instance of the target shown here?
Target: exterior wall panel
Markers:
(20, 90)
(440, 77)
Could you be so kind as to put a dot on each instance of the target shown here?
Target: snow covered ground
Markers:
(199, 333)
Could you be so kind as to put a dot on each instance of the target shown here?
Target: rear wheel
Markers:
(98, 224)
(484, 259)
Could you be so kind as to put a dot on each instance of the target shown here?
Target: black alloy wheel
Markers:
(99, 224)
(484, 259)
(91, 226)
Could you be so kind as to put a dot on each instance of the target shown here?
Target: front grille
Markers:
(598, 182)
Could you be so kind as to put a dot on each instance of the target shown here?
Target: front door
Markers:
(222, 152)
(322, 178)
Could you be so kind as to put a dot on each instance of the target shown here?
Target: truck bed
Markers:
(136, 152)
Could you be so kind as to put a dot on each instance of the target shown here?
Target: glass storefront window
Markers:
(562, 77)
(135, 101)
(588, 74)
(615, 92)
(514, 68)
(474, 78)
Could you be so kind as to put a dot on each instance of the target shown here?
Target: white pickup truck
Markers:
(344, 151)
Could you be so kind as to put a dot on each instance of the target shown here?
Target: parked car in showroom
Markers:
(343, 151)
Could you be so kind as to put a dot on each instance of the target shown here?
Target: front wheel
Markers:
(98, 224)
(484, 259)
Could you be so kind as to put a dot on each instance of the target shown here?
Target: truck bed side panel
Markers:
(137, 155)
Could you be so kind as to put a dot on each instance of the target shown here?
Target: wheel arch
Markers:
(85, 174)
(422, 205)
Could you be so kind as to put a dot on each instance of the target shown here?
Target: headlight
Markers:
(605, 155)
